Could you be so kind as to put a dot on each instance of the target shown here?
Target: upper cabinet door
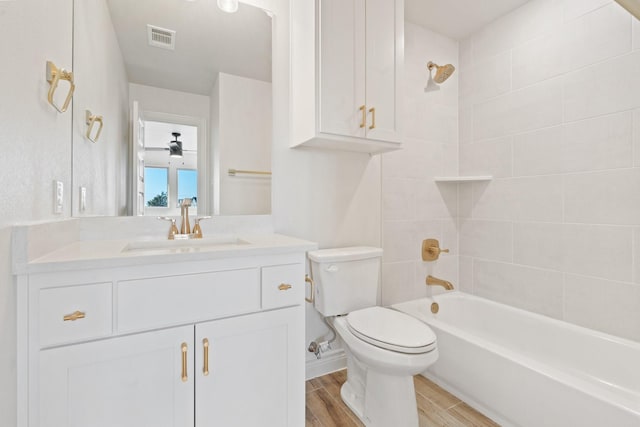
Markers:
(384, 56)
(341, 70)
(131, 381)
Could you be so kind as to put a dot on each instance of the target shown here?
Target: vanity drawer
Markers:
(282, 285)
(174, 300)
(75, 313)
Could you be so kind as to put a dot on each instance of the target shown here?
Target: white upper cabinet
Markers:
(359, 54)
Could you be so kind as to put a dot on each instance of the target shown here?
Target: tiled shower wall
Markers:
(550, 106)
(413, 206)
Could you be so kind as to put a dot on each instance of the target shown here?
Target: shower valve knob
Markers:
(431, 250)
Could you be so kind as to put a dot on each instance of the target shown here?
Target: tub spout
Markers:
(434, 281)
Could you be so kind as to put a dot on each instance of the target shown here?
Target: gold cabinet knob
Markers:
(431, 250)
(284, 286)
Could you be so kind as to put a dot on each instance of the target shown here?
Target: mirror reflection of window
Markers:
(156, 187)
(188, 186)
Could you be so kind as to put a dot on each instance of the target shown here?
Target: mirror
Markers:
(184, 93)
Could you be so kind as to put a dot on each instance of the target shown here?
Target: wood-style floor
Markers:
(436, 407)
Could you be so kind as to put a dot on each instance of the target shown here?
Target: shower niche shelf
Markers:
(466, 178)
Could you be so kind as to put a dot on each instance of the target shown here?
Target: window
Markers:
(188, 185)
(156, 183)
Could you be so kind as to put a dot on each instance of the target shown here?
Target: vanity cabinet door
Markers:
(131, 381)
(253, 374)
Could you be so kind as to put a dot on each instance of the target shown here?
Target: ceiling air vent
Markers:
(161, 37)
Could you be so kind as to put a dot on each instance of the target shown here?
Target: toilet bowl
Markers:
(381, 362)
(385, 348)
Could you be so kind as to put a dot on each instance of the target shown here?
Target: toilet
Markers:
(385, 348)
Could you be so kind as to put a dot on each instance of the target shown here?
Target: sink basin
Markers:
(184, 245)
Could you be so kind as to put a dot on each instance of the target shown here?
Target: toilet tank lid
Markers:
(352, 253)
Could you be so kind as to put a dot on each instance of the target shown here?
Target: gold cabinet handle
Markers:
(363, 108)
(90, 120)
(284, 286)
(54, 75)
(308, 279)
(372, 110)
(74, 316)
(205, 368)
(184, 377)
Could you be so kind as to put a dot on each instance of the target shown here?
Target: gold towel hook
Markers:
(90, 120)
(54, 75)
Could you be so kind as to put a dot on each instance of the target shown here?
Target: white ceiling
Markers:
(457, 19)
(208, 41)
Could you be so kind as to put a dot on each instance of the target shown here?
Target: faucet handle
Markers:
(431, 250)
(197, 231)
(173, 230)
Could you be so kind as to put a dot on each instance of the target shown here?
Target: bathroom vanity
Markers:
(115, 333)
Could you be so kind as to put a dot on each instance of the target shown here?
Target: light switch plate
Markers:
(58, 197)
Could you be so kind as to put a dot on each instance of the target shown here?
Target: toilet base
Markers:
(380, 400)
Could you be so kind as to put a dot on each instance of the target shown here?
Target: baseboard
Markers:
(331, 361)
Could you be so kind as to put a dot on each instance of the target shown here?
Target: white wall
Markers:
(242, 141)
(414, 208)
(101, 87)
(550, 105)
(36, 147)
(169, 101)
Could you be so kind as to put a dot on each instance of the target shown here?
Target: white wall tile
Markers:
(610, 197)
(538, 245)
(400, 239)
(636, 137)
(601, 34)
(487, 158)
(435, 201)
(636, 255)
(539, 59)
(399, 283)
(465, 124)
(525, 23)
(531, 108)
(491, 77)
(576, 8)
(398, 199)
(603, 305)
(486, 239)
(604, 88)
(598, 250)
(524, 287)
(465, 274)
(636, 34)
(600, 143)
(524, 199)
(538, 152)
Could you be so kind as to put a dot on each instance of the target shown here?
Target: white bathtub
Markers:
(523, 369)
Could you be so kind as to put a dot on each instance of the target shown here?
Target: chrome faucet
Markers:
(185, 228)
(434, 281)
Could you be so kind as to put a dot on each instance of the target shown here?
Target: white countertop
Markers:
(89, 254)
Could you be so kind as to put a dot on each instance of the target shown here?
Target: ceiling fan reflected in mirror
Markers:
(175, 146)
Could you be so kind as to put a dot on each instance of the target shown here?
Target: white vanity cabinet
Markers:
(359, 60)
(202, 343)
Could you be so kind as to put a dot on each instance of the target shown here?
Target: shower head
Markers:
(443, 72)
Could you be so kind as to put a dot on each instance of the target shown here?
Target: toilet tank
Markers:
(346, 279)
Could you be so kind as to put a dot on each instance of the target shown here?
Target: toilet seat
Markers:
(391, 330)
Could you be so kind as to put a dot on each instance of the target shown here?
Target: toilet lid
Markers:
(392, 330)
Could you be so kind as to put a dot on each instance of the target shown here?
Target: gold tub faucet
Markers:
(434, 281)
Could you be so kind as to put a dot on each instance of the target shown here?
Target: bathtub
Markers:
(523, 369)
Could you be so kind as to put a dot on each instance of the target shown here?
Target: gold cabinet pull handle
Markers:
(90, 120)
(308, 279)
(185, 378)
(74, 316)
(372, 110)
(205, 368)
(284, 286)
(363, 108)
(54, 75)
